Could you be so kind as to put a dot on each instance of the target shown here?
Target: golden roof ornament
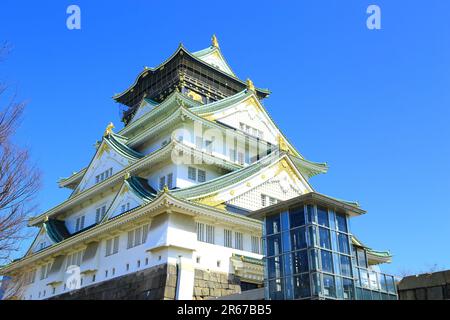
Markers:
(166, 188)
(127, 176)
(282, 144)
(250, 85)
(214, 41)
(108, 129)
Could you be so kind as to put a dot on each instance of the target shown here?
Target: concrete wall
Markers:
(431, 286)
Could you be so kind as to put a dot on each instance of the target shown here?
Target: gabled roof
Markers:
(162, 110)
(153, 157)
(115, 142)
(137, 186)
(212, 186)
(217, 53)
(231, 101)
(146, 106)
(119, 144)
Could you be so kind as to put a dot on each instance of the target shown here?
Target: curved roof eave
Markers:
(182, 48)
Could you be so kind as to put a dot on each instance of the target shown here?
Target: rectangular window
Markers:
(162, 182)
(361, 257)
(79, 225)
(255, 244)
(327, 261)
(263, 200)
(233, 155)
(100, 213)
(341, 222)
(116, 245)
(104, 175)
(228, 238)
(74, 259)
(145, 233)
(192, 173)
(125, 207)
(201, 175)
(240, 158)
(238, 241)
(137, 236)
(210, 234)
(325, 238)
(322, 216)
(130, 241)
(112, 246)
(170, 180)
(200, 231)
(45, 270)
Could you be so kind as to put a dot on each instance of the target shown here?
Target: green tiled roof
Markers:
(248, 259)
(118, 143)
(224, 180)
(141, 188)
(56, 230)
(381, 254)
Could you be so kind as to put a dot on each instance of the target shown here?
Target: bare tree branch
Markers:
(19, 183)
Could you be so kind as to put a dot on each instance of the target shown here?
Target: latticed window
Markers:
(170, 180)
(74, 259)
(209, 234)
(45, 269)
(228, 238)
(200, 231)
(100, 213)
(79, 224)
(263, 200)
(192, 173)
(238, 241)
(233, 155)
(137, 236)
(240, 157)
(112, 246)
(162, 182)
(201, 175)
(255, 244)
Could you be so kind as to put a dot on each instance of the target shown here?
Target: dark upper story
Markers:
(186, 72)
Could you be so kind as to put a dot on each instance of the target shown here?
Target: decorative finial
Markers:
(46, 218)
(166, 188)
(214, 41)
(250, 85)
(282, 144)
(108, 130)
(127, 176)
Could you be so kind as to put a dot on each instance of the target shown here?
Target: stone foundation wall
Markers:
(209, 284)
(156, 283)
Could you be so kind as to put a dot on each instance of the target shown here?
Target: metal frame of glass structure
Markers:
(309, 255)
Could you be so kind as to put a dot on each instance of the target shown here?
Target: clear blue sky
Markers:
(374, 105)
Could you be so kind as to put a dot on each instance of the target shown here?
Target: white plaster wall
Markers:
(89, 213)
(109, 159)
(166, 231)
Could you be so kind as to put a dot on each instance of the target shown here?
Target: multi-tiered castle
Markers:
(160, 212)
